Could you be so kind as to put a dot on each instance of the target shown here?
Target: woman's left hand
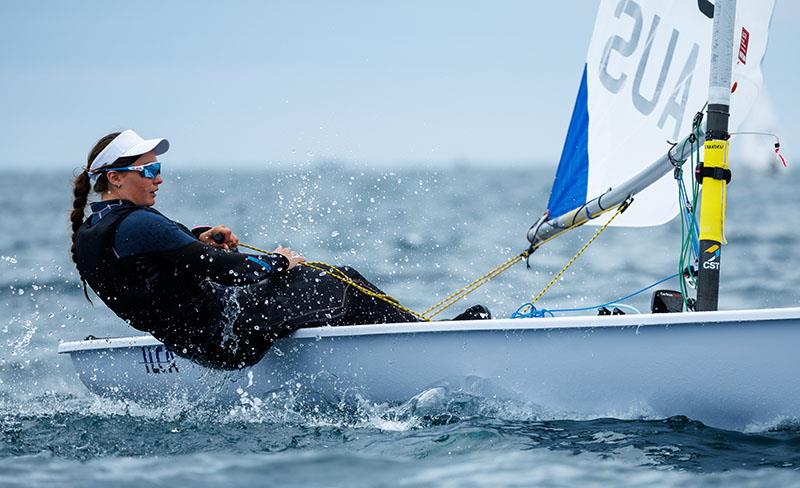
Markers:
(225, 238)
(293, 258)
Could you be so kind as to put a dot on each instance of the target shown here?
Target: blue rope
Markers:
(533, 312)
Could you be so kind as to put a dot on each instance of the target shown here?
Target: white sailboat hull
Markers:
(733, 369)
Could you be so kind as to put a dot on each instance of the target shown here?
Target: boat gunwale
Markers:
(495, 325)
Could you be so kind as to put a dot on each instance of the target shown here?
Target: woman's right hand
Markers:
(227, 239)
(293, 257)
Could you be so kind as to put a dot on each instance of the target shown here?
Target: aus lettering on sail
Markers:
(644, 37)
(653, 51)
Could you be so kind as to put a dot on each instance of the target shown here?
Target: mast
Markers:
(715, 173)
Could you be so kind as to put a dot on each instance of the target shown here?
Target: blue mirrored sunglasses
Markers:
(149, 170)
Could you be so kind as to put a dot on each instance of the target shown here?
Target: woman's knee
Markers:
(349, 271)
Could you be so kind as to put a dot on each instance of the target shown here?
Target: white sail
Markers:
(755, 148)
(646, 75)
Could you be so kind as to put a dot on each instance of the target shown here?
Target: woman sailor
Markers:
(189, 288)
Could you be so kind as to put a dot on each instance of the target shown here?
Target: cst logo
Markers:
(713, 262)
(158, 359)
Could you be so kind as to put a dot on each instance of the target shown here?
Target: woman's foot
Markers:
(475, 312)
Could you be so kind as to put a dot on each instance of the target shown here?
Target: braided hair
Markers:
(80, 193)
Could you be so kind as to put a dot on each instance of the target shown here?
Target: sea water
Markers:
(420, 235)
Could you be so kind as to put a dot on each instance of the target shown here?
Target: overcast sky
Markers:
(253, 83)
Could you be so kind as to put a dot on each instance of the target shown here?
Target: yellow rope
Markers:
(451, 299)
(458, 295)
(620, 209)
(339, 275)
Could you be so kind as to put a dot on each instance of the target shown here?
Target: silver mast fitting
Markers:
(615, 196)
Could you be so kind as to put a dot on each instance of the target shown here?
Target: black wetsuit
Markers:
(219, 308)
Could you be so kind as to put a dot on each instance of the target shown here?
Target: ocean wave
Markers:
(430, 426)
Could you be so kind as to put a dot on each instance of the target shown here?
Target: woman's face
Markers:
(131, 185)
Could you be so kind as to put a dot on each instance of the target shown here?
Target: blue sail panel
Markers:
(572, 176)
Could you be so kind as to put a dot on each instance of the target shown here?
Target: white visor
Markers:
(128, 143)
